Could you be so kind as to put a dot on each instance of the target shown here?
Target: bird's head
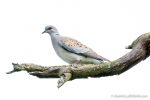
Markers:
(50, 29)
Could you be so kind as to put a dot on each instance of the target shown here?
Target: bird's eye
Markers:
(49, 28)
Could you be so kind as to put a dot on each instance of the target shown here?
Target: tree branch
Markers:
(140, 51)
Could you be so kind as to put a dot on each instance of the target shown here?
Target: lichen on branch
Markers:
(140, 51)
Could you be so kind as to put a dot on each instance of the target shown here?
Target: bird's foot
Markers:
(76, 63)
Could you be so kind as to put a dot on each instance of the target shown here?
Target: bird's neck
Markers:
(54, 39)
(54, 34)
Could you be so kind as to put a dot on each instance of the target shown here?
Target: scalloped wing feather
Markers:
(77, 47)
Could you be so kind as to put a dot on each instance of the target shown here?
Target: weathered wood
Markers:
(140, 51)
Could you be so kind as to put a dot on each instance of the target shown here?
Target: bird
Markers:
(71, 50)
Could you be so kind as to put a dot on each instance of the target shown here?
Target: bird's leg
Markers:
(74, 64)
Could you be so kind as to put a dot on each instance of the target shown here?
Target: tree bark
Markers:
(140, 51)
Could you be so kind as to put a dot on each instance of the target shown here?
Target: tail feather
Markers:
(103, 59)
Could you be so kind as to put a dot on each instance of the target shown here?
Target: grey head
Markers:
(50, 29)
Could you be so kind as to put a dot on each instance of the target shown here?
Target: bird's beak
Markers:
(43, 32)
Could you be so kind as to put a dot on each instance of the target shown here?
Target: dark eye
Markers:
(49, 28)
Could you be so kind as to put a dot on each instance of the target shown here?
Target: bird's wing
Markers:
(77, 47)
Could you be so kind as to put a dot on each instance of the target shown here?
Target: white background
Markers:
(107, 26)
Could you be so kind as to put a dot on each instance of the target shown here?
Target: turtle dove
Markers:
(71, 50)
